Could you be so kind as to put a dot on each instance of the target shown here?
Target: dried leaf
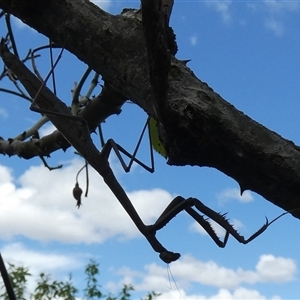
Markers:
(77, 191)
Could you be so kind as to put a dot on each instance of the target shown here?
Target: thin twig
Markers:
(47, 166)
(94, 83)
(11, 35)
(16, 94)
(47, 77)
(87, 178)
(34, 67)
(33, 56)
(10, 75)
(75, 100)
(31, 131)
(101, 136)
(51, 64)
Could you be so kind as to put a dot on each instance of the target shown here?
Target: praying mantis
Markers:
(76, 131)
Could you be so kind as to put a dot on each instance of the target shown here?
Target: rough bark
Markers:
(199, 127)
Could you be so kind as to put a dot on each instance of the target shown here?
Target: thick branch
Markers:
(159, 56)
(201, 129)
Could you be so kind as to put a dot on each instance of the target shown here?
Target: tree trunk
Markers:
(197, 126)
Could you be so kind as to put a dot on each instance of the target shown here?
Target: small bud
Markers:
(77, 191)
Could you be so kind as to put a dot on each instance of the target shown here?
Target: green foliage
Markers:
(56, 289)
(18, 277)
(47, 289)
(124, 294)
(151, 296)
(92, 290)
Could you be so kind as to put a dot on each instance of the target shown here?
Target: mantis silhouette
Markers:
(76, 132)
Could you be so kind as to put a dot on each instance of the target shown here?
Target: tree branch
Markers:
(109, 102)
(201, 128)
(159, 56)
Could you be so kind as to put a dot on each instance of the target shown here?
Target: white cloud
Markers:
(18, 23)
(42, 207)
(277, 12)
(3, 113)
(18, 254)
(239, 293)
(37, 262)
(47, 129)
(5, 177)
(228, 282)
(275, 6)
(276, 269)
(187, 270)
(275, 26)
(221, 7)
(104, 4)
(234, 194)
(193, 40)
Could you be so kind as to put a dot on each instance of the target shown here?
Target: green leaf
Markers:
(156, 143)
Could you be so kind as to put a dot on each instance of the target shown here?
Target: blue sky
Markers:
(248, 52)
